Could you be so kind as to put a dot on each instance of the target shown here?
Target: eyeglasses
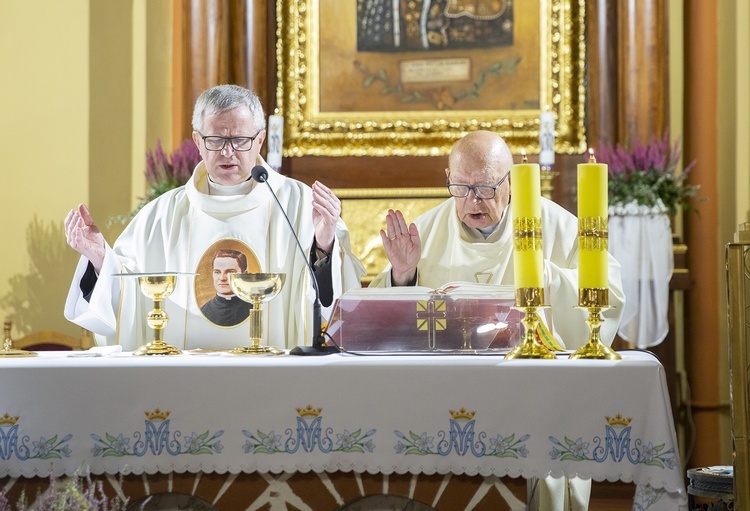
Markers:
(480, 192)
(237, 143)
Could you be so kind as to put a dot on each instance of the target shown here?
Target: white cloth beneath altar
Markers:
(460, 414)
(641, 239)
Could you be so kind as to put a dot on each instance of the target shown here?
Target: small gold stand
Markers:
(594, 301)
(157, 287)
(547, 174)
(528, 300)
(256, 288)
(8, 351)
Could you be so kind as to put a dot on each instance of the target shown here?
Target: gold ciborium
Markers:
(156, 286)
(594, 301)
(528, 300)
(7, 349)
(256, 288)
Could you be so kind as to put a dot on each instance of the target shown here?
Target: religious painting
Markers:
(364, 211)
(410, 77)
(214, 295)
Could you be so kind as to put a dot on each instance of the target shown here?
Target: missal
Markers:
(458, 317)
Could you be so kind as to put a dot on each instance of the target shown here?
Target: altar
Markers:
(234, 419)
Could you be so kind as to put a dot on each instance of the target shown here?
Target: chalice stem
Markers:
(161, 320)
(256, 323)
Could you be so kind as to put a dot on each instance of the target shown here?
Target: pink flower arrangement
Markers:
(174, 170)
(163, 173)
(646, 174)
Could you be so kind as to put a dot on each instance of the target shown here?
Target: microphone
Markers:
(260, 174)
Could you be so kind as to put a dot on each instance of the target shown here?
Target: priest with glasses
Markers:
(221, 207)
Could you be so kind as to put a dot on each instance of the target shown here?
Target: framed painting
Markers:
(410, 77)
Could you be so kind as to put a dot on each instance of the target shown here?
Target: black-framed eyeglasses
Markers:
(213, 143)
(481, 192)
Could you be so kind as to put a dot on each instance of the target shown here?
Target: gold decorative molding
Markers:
(356, 114)
(364, 211)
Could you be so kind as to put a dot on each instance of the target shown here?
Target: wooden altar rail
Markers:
(738, 285)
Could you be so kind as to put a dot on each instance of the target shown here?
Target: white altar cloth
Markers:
(461, 414)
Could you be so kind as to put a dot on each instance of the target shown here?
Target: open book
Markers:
(456, 289)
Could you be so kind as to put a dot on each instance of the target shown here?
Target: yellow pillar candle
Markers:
(592, 225)
(526, 212)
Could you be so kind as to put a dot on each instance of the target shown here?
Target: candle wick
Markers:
(524, 159)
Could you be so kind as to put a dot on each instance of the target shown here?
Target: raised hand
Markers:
(84, 236)
(326, 213)
(402, 246)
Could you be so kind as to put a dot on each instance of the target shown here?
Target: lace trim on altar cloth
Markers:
(635, 209)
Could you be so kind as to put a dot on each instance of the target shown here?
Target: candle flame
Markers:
(524, 159)
(592, 158)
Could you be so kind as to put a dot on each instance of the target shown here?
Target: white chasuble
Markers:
(179, 232)
(451, 252)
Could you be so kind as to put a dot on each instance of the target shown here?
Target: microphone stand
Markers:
(260, 174)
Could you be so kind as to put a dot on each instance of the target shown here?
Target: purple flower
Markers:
(646, 174)
(173, 170)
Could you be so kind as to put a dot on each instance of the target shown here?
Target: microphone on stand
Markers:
(260, 174)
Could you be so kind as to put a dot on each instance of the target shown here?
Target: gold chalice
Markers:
(7, 350)
(256, 288)
(156, 286)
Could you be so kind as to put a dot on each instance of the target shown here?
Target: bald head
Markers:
(481, 158)
(484, 152)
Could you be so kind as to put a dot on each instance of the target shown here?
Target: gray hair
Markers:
(226, 97)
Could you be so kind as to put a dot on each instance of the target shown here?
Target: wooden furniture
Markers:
(49, 340)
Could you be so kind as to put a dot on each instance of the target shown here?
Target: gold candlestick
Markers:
(594, 301)
(256, 288)
(528, 300)
(7, 349)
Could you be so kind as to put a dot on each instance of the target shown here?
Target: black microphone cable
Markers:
(260, 174)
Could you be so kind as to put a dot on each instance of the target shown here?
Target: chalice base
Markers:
(12, 353)
(257, 350)
(595, 350)
(156, 348)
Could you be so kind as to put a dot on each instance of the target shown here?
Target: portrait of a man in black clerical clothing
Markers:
(226, 308)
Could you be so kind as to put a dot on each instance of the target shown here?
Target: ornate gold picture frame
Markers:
(340, 97)
(364, 211)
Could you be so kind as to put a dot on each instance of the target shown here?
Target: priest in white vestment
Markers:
(220, 207)
(469, 238)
